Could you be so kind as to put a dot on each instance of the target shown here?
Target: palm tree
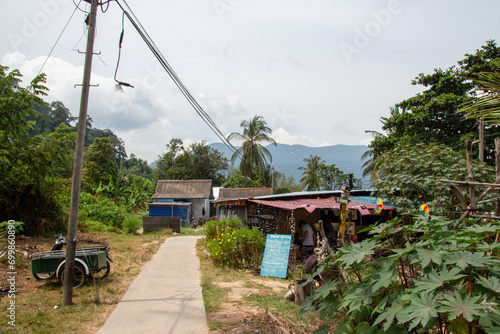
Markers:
(488, 103)
(311, 178)
(252, 152)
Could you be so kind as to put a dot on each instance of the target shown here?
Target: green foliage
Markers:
(311, 178)
(252, 154)
(29, 164)
(17, 227)
(198, 161)
(419, 277)
(132, 223)
(98, 159)
(433, 116)
(236, 179)
(99, 211)
(317, 175)
(233, 245)
(286, 184)
(407, 176)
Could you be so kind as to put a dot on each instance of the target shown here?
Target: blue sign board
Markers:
(275, 262)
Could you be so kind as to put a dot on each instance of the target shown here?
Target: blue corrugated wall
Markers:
(166, 211)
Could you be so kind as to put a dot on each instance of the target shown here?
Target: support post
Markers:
(497, 162)
(481, 139)
(78, 162)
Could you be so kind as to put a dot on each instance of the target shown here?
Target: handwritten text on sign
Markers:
(275, 262)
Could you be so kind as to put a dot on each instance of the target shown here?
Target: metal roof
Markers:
(310, 204)
(183, 189)
(227, 194)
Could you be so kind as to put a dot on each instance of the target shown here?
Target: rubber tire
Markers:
(44, 276)
(79, 276)
(103, 272)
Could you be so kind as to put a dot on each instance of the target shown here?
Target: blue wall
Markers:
(166, 211)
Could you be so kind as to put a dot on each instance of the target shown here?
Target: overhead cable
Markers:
(159, 56)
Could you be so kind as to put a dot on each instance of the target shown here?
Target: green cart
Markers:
(94, 261)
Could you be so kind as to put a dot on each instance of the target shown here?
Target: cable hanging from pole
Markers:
(164, 63)
(159, 56)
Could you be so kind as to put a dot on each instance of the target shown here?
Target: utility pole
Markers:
(78, 163)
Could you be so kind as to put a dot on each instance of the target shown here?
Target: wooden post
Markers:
(497, 162)
(470, 176)
(481, 139)
(78, 163)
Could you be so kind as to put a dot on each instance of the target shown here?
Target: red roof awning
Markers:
(308, 204)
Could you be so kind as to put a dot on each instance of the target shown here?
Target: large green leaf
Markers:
(492, 283)
(389, 314)
(436, 279)
(356, 297)
(426, 256)
(385, 276)
(465, 259)
(422, 308)
(457, 305)
(357, 252)
(400, 252)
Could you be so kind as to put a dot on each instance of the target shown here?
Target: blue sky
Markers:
(320, 72)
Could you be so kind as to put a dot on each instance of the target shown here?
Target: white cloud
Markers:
(282, 136)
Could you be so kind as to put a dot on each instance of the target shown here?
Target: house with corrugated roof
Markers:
(197, 192)
(231, 201)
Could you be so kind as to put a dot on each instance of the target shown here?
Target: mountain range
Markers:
(288, 158)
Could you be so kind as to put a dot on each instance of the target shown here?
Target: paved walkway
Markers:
(165, 297)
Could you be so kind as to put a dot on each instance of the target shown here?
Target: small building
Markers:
(231, 201)
(280, 214)
(197, 192)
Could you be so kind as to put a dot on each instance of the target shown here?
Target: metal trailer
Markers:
(94, 261)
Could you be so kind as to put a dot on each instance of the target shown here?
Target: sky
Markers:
(320, 72)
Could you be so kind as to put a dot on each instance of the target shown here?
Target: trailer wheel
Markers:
(79, 276)
(103, 272)
(44, 276)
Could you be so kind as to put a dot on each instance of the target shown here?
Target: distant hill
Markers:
(288, 158)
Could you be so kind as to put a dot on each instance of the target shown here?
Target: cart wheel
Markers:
(44, 276)
(79, 276)
(103, 272)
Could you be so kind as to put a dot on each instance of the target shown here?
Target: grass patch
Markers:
(38, 303)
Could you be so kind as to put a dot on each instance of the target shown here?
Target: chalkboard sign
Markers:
(275, 262)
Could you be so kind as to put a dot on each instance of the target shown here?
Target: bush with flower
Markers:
(232, 244)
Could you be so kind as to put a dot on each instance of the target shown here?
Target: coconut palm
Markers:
(311, 178)
(252, 152)
(488, 103)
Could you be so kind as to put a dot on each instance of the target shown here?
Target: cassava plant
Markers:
(422, 277)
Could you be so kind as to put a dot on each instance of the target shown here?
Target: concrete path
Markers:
(165, 297)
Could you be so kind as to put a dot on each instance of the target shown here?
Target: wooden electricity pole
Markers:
(78, 163)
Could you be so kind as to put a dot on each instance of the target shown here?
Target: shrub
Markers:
(214, 228)
(97, 226)
(102, 210)
(233, 245)
(420, 277)
(132, 223)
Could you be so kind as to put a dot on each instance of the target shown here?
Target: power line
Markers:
(58, 38)
(159, 56)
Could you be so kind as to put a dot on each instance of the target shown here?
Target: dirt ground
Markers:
(247, 319)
